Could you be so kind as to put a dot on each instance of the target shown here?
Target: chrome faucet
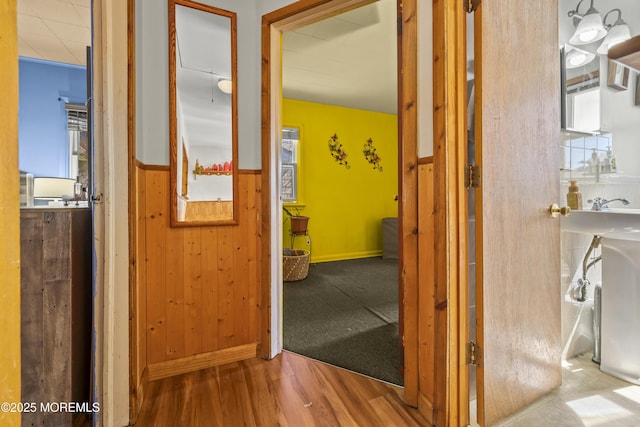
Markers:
(600, 204)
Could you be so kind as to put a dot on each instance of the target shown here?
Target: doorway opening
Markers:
(56, 217)
(338, 168)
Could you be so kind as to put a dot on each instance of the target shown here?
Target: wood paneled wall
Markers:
(200, 285)
(426, 289)
(139, 316)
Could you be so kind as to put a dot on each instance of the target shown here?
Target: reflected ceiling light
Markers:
(577, 58)
(589, 26)
(225, 85)
(618, 32)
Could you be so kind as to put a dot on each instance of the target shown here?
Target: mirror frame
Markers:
(173, 129)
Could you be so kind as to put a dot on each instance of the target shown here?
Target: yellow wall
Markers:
(346, 206)
(9, 215)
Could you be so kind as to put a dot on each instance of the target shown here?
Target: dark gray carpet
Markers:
(346, 313)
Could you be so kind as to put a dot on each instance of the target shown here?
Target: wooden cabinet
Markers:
(55, 298)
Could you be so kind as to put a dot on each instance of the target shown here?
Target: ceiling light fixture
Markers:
(589, 27)
(578, 57)
(225, 85)
(618, 32)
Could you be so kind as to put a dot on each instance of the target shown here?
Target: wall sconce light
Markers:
(618, 32)
(589, 26)
(577, 58)
(225, 85)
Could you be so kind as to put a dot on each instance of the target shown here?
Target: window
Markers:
(289, 165)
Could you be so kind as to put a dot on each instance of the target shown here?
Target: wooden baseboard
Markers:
(201, 361)
(425, 407)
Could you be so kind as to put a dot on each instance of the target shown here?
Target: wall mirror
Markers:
(202, 114)
(581, 90)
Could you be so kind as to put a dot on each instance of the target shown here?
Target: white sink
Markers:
(620, 327)
(623, 224)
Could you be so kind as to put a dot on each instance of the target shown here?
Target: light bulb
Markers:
(225, 85)
(587, 36)
(577, 59)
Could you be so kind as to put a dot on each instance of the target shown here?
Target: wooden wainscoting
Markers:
(137, 294)
(199, 285)
(426, 289)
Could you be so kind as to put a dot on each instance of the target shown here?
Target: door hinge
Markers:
(470, 5)
(472, 176)
(473, 354)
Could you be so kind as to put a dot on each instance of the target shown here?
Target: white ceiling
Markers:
(55, 30)
(348, 60)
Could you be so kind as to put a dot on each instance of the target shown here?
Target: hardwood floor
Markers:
(289, 390)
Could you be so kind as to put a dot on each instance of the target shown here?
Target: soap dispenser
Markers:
(574, 197)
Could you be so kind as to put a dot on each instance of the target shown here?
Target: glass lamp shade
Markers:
(617, 34)
(589, 30)
(577, 58)
(225, 85)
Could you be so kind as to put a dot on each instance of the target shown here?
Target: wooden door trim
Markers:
(408, 183)
(136, 388)
(451, 400)
(294, 16)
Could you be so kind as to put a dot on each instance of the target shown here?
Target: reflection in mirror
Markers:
(581, 87)
(77, 128)
(203, 114)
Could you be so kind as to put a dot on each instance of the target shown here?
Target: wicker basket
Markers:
(295, 264)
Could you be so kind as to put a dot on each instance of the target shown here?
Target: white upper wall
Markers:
(152, 74)
(152, 81)
(425, 79)
(266, 6)
(152, 77)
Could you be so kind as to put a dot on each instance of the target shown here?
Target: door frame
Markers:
(273, 25)
(111, 212)
(451, 379)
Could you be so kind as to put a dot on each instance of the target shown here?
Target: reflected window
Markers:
(289, 162)
(78, 142)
